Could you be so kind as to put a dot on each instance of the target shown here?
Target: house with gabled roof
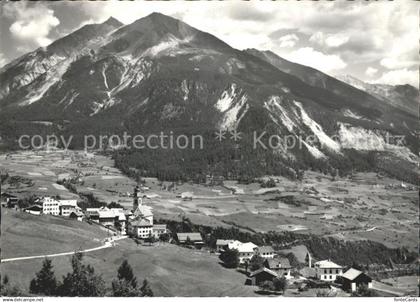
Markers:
(141, 228)
(68, 206)
(159, 229)
(266, 251)
(77, 216)
(326, 270)
(281, 265)
(222, 244)
(246, 250)
(194, 238)
(353, 279)
(261, 275)
(34, 209)
(108, 217)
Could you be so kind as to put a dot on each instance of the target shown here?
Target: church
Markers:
(141, 225)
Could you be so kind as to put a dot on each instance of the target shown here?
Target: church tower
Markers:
(136, 198)
(308, 259)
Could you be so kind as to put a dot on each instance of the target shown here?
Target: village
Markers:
(268, 271)
(81, 201)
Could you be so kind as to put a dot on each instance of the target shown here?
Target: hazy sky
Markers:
(376, 42)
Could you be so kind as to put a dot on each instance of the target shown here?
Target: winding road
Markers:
(108, 243)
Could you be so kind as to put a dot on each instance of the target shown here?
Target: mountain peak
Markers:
(159, 21)
(157, 14)
(113, 22)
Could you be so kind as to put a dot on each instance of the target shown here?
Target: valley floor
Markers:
(364, 206)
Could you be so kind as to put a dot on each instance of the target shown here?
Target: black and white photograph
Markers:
(239, 149)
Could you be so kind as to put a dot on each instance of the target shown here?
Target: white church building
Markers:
(142, 224)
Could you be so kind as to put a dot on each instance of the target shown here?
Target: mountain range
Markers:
(160, 74)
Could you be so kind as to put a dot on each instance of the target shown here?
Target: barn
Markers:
(354, 278)
(263, 274)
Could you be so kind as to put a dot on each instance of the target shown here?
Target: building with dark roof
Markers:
(222, 244)
(261, 275)
(280, 265)
(194, 238)
(353, 279)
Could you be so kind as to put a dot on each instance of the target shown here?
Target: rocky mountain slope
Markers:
(159, 73)
(405, 97)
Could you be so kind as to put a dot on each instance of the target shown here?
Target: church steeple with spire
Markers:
(136, 198)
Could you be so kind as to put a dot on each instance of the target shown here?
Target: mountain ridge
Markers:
(159, 73)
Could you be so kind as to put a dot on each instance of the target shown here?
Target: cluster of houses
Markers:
(276, 266)
(46, 205)
(325, 270)
(52, 206)
(137, 222)
(246, 250)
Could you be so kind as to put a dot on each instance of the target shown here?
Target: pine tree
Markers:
(126, 272)
(230, 258)
(256, 262)
(145, 289)
(123, 288)
(44, 282)
(280, 284)
(82, 282)
(126, 283)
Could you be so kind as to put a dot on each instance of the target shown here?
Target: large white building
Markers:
(326, 270)
(50, 206)
(246, 250)
(68, 206)
(142, 224)
(141, 228)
